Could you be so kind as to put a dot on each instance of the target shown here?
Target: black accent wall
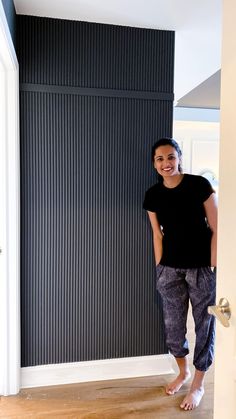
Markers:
(93, 100)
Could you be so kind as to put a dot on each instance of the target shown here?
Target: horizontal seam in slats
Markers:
(91, 91)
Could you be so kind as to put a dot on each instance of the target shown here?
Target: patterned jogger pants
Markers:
(177, 287)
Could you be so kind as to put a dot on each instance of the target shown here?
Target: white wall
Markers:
(200, 145)
(9, 214)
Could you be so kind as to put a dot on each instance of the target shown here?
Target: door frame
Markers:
(9, 214)
(225, 359)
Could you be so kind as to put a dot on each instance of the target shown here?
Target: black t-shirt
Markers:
(181, 214)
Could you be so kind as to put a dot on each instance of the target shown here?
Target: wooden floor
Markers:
(115, 399)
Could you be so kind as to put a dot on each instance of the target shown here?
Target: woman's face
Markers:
(166, 161)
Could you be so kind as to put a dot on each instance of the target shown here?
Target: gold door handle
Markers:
(222, 312)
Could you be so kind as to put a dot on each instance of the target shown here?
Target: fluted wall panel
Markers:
(87, 268)
(71, 53)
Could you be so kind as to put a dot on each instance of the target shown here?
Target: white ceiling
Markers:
(197, 24)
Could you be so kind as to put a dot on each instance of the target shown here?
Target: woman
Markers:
(182, 209)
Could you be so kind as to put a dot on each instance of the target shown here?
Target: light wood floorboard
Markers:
(115, 399)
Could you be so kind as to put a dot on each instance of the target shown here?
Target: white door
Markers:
(225, 370)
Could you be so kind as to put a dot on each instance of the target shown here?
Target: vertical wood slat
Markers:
(69, 53)
(87, 272)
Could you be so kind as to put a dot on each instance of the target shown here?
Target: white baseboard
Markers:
(108, 369)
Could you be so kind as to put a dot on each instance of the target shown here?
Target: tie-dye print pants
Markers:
(177, 287)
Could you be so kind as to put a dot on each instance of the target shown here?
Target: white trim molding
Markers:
(108, 369)
(9, 214)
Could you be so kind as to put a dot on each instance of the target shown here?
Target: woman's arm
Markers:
(157, 236)
(210, 206)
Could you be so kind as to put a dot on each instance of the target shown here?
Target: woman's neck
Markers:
(173, 181)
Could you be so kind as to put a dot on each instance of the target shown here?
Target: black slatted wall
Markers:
(93, 99)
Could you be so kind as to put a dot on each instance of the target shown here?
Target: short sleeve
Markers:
(205, 188)
(149, 203)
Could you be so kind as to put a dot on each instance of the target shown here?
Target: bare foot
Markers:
(193, 398)
(176, 385)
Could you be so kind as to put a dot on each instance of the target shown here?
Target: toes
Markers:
(168, 391)
(185, 405)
